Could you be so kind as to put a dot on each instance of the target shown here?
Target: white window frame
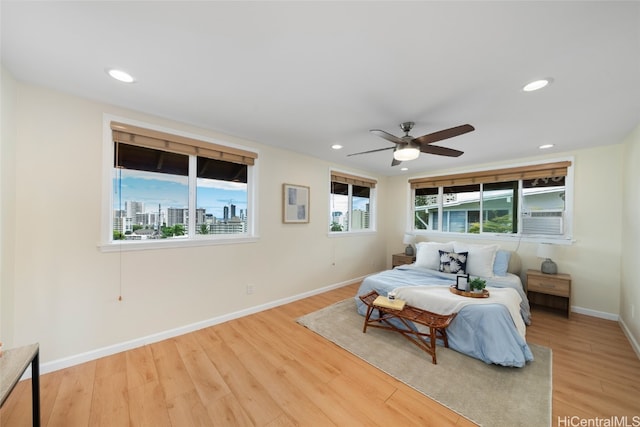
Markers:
(566, 238)
(107, 244)
(372, 207)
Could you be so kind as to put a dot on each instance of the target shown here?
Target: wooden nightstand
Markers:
(401, 259)
(551, 290)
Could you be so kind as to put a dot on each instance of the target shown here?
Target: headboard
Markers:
(515, 264)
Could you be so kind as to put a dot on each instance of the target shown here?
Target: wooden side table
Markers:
(401, 259)
(551, 290)
(13, 363)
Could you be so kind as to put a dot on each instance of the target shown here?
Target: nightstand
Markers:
(551, 290)
(401, 259)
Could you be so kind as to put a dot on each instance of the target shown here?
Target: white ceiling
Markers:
(305, 75)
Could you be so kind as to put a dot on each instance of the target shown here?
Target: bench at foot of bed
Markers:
(437, 323)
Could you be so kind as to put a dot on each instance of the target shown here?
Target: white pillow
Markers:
(480, 258)
(428, 255)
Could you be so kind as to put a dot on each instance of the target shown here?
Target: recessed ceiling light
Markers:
(545, 146)
(120, 75)
(535, 85)
(404, 169)
(336, 146)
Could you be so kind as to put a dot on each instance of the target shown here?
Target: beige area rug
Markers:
(488, 395)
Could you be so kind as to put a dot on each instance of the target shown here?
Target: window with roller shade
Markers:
(352, 203)
(529, 201)
(169, 187)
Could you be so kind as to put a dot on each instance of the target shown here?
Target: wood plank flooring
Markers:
(266, 370)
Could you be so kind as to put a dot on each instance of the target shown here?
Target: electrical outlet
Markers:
(250, 289)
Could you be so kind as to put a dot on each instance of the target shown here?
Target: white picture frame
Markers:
(295, 204)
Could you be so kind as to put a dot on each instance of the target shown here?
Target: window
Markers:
(528, 201)
(351, 203)
(543, 205)
(461, 209)
(425, 209)
(172, 188)
(499, 207)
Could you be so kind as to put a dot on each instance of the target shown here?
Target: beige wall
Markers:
(66, 289)
(7, 203)
(630, 295)
(59, 289)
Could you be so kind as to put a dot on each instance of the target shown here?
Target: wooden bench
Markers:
(437, 323)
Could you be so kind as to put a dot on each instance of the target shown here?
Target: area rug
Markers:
(488, 395)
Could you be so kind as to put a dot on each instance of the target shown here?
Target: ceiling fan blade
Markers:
(444, 134)
(387, 136)
(370, 151)
(395, 162)
(440, 151)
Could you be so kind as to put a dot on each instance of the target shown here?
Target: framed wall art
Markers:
(295, 199)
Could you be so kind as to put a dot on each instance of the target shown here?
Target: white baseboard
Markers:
(615, 317)
(67, 362)
(595, 313)
(634, 343)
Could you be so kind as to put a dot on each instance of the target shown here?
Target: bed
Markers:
(493, 329)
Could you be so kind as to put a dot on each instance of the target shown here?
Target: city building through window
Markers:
(168, 187)
(351, 203)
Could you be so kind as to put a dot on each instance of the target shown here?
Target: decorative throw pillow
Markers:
(427, 255)
(452, 262)
(481, 257)
(501, 263)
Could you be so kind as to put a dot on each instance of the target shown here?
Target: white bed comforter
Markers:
(439, 299)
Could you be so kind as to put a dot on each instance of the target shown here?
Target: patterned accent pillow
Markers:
(452, 262)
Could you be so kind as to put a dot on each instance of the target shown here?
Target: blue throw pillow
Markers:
(452, 262)
(501, 263)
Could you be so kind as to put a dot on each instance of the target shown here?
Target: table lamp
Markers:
(547, 251)
(408, 240)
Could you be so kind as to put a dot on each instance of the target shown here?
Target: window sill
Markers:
(352, 233)
(559, 240)
(125, 246)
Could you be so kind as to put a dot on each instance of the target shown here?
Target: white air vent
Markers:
(543, 222)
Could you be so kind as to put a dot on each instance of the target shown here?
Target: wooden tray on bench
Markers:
(484, 294)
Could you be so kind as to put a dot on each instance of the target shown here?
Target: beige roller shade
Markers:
(352, 179)
(148, 138)
(545, 170)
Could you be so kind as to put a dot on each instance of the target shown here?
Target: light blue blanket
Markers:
(485, 332)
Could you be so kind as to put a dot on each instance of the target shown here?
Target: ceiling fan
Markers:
(409, 148)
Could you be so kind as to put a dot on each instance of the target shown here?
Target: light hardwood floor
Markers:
(266, 370)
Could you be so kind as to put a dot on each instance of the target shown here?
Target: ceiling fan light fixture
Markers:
(409, 148)
(406, 153)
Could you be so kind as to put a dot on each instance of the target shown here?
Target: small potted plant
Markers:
(477, 285)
